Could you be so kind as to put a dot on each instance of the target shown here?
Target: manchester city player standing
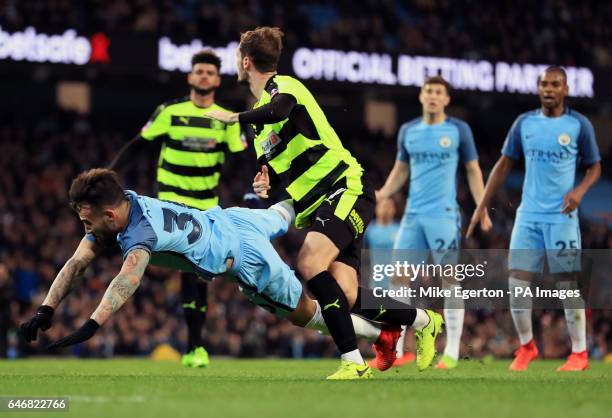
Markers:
(429, 150)
(553, 140)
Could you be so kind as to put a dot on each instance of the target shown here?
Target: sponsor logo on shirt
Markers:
(429, 157)
(547, 156)
(199, 144)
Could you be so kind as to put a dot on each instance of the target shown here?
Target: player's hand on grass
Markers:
(82, 334)
(571, 201)
(261, 183)
(222, 115)
(480, 216)
(42, 321)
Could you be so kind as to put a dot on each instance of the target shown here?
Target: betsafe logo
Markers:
(65, 48)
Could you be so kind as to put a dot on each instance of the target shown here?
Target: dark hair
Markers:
(554, 69)
(206, 56)
(438, 79)
(263, 45)
(98, 187)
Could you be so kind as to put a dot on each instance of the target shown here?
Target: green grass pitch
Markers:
(292, 389)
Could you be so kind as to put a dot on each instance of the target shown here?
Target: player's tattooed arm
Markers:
(123, 285)
(71, 274)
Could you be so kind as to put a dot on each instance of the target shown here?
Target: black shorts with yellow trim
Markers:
(344, 216)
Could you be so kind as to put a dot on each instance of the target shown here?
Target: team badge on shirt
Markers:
(445, 142)
(564, 139)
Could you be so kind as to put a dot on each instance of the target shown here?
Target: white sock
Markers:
(454, 327)
(317, 322)
(576, 325)
(421, 320)
(399, 348)
(575, 319)
(366, 329)
(520, 308)
(363, 328)
(353, 356)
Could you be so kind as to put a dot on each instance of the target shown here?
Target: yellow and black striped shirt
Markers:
(304, 151)
(192, 153)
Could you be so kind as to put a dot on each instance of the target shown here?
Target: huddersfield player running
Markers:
(429, 149)
(552, 140)
(301, 155)
(192, 153)
(235, 242)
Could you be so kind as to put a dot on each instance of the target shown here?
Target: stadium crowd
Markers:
(564, 32)
(38, 233)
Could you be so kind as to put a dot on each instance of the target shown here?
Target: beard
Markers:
(202, 92)
(106, 240)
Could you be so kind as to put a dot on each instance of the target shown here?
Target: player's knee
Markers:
(308, 265)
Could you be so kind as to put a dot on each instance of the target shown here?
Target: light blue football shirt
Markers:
(433, 153)
(552, 148)
(178, 236)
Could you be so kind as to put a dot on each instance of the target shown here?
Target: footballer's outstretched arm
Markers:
(120, 289)
(72, 272)
(123, 285)
(396, 180)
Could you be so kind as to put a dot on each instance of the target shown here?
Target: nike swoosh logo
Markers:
(362, 372)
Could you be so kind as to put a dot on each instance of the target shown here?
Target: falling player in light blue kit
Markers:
(233, 242)
(429, 150)
(552, 140)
